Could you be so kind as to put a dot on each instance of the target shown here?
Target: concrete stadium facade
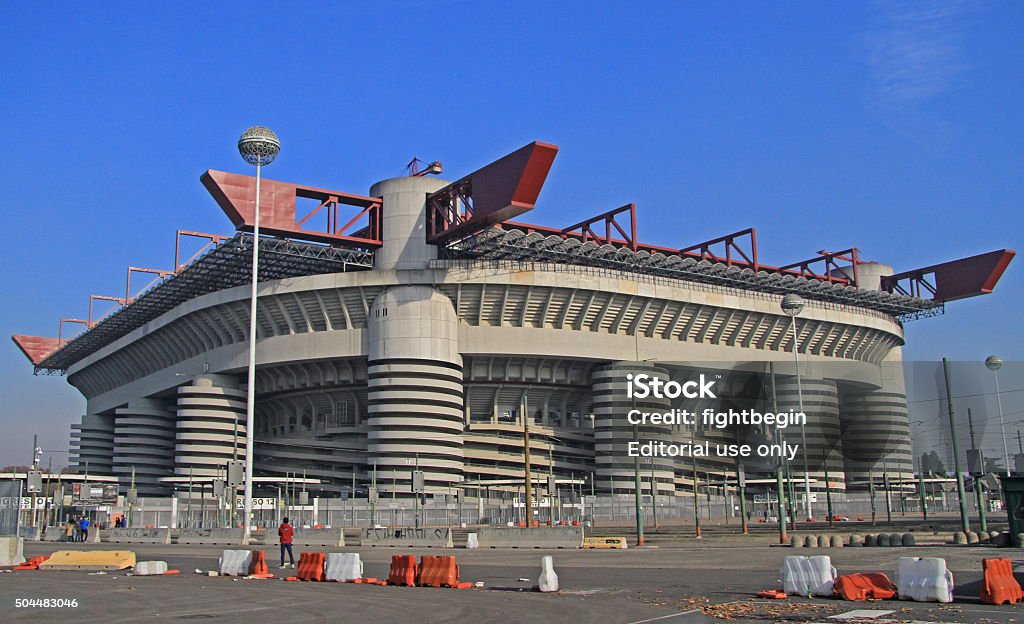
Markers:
(435, 361)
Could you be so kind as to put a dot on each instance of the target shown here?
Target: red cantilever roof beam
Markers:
(949, 281)
(832, 271)
(236, 196)
(160, 275)
(729, 241)
(610, 222)
(211, 240)
(506, 188)
(92, 321)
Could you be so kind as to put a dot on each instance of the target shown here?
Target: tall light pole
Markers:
(258, 146)
(793, 304)
(994, 363)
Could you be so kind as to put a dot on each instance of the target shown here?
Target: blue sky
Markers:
(895, 128)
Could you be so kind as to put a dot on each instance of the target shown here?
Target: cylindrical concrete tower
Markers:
(211, 417)
(821, 404)
(876, 431)
(869, 274)
(144, 440)
(415, 398)
(615, 469)
(404, 222)
(95, 442)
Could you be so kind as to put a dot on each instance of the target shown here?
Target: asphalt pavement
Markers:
(710, 581)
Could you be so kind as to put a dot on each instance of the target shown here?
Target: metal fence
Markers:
(10, 503)
(448, 511)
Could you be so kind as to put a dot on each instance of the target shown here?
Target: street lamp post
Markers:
(258, 146)
(994, 363)
(792, 305)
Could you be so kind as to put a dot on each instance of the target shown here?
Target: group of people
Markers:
(77, 529)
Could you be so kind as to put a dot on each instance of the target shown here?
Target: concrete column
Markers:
(613, 433)
(415, 393)
(144, 440)
(209, 410)
(876, 427)
(404, 222)
(94, 439)
(821, 404)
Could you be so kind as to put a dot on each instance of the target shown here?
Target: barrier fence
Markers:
(10, 497)
(448, 511)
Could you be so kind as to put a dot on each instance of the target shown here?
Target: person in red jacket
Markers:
(285, 533)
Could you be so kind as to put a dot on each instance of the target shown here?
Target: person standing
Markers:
(285, 532)
(70, 529)
(84, 525)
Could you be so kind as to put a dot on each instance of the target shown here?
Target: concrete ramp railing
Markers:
(539, 537)
(316, 537)
(210, 536)
(140, 536)
(408, 538)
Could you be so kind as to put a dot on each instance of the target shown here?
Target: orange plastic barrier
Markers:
(999, 586)
(32, 564)
(311, 567)
(438, 571)
(403, 570)
(172, 572)
(258, 565)
(774, 594)
(872, 585)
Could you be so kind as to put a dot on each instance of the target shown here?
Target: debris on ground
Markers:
(777, 611)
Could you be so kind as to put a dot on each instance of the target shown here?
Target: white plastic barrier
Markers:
(344, 566)
(805, 576)
(12, 551)
(235, 562)
(472, 541)
(924, 579)
(548, 581)
(150, 568)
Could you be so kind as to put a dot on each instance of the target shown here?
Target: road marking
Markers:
(665, 617)
(860, 613)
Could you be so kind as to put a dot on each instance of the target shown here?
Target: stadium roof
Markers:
(496, 243)
(225, 266)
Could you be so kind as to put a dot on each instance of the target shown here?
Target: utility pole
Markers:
(696, 498)
(964, 518)
(871, 492)
(828, 490)
(781, 494)
(131, 503)
(899, 485)
(885, 484)
(551, 476)
(654, 495)
(637, 488)
(784, 463)
(526, 464)
(979, 495)
(780, 467)
(372, 496)
(415, 492)
(741, 486)
(922, 493)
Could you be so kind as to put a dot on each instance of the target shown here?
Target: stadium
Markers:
(421, 324)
